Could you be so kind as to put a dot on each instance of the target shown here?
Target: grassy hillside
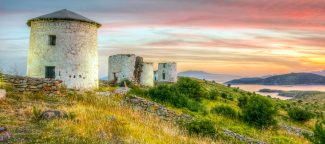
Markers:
(98, 119)
(95, 119)
(217, 95)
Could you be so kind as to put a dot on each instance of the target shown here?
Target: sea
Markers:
(256, 88)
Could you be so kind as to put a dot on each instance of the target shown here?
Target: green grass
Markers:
(96, 120)
(269, 135)
(107, 120)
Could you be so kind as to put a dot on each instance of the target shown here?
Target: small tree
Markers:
(259, 111)
(300, 114)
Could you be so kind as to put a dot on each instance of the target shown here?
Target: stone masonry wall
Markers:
(74, 56)
(169, 70)
(138, 69)
(28, 84)
(147, 76)
(139, 103)
(121, 66)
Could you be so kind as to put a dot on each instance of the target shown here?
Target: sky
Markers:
(237, 37)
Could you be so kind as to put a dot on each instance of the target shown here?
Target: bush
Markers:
(162, 93)
(213, 94)
(227, 96)
(202, 128)
(225, 111)
(259, 111)
(300, 114)
(195, 106)
(170, 94)
(224, 95)
(242, 101)
(190, 88)
(319, 134)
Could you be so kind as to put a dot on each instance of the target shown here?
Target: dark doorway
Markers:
(163, 76)
(50, 72)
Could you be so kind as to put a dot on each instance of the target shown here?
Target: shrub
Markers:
(224, 95)
(300, 114)
(319, 134)
(242, 101)
(201, 127)
(225, 111)
(170, 94)
(190, 88)
(227, 96)
(213, 94)
(195, 106)
(162, 93)
(259, 111)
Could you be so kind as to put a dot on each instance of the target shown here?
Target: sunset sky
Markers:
(238, 37)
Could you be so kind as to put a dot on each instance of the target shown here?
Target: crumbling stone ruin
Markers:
(167, 72)
(147, 76)
(130, 67)
(138, 69)
(133, 68)
(63, 45)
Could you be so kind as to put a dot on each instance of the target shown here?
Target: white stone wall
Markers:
(147, 75)
(74, 56)
(2, 94)
(170, 71)
(123, 65)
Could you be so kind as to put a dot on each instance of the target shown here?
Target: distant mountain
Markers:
(286, 79)
(208, 76)
(319, 72)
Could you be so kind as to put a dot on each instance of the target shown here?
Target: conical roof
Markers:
(63, 15)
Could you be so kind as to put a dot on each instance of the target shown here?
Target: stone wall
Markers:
(74, 55)
(296, 130)
(139, 103)
(28, 84)
(138, 69)
(168, 70)
(147, 76)
(242, 138)
(121, 67)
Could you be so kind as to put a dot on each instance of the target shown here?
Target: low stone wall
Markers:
(241, 138)
(28, 84)
(296, 130)
(139, 103)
